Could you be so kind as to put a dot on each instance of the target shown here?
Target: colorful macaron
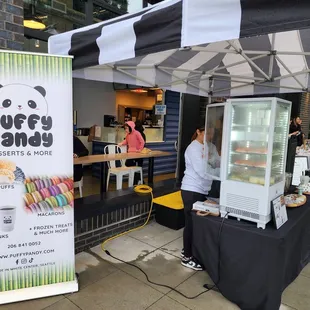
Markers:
(52, 201)
(55, 180)
(39, 184)
(61, 200)
(45, 193)
(44, 206)
(54, 190)
(36, 196)
(69, 196)
(63, 187)
(34, 207)
(28, 199)
(47, 183)
(69, 183)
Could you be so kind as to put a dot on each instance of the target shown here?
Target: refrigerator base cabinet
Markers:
(248, 201)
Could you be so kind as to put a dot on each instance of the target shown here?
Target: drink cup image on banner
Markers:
(7, 218)
(36, 177)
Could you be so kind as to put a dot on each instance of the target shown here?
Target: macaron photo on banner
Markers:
(36, 177)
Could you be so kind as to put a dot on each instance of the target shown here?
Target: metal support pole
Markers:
(272, 56)
(89, 11)
(210, 91)
(251, 62)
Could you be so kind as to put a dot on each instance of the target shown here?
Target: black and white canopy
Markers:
(223, 47)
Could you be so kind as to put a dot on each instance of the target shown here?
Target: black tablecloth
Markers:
(256, 265)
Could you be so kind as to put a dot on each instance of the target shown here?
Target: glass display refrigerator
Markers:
(252, 135)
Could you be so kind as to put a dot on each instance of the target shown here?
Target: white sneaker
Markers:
(192, 264)
(182, 254)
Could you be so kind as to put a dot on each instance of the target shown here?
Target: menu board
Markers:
(36, 174)
(301, 165)
(279, 211)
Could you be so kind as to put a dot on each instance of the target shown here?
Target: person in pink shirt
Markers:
(135, 144)
(133, 140)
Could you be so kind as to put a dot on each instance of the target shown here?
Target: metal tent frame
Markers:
(265, 80)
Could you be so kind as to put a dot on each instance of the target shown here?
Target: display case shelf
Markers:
(255, 153)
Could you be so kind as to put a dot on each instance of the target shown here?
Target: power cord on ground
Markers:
(147, 190)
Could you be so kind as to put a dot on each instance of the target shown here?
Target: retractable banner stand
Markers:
(36, 177)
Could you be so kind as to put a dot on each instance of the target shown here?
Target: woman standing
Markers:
(295, 129)
(139, 127)
(196, 185)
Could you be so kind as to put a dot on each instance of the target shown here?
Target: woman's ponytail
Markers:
(200, 129)
(194, 137)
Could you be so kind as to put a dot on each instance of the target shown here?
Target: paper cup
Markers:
(7, 218)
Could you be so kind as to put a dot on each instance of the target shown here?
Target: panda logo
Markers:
(7, 219)
(23, 99)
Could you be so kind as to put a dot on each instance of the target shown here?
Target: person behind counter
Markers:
(135, 143)
(295, 130)
(79, 150)
(139, 127)
(196, 185)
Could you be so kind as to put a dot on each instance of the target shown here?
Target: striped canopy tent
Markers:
(203, 47)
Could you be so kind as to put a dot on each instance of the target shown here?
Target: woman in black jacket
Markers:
(295, 130)
(140, 128)
(79, 150)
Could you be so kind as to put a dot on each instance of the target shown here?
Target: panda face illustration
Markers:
(23, 99)
(7, 219)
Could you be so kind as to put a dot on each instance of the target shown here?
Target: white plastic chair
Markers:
(79, 185)
(119, 172)
(135, 169)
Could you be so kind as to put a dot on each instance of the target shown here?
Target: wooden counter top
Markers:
(91, 159)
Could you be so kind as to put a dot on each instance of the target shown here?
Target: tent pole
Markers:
(210, 90)
(259, 84)
(179, 80)
(89, 12)
(179, 69)
(217, 51)
(201, 72)
(252, 78)
(272, 55)
(137, 67)
(232, 80)
(227, 51)
(289, 71)
(241, 52)
(183, 80)
(291, 75)
(293, 53)
(238, 63)
(133, 76)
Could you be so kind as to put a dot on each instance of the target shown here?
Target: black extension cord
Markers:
(158, 284)
(208, 287)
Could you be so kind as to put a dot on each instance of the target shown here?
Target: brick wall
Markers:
(11, 24)
(94, 230)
